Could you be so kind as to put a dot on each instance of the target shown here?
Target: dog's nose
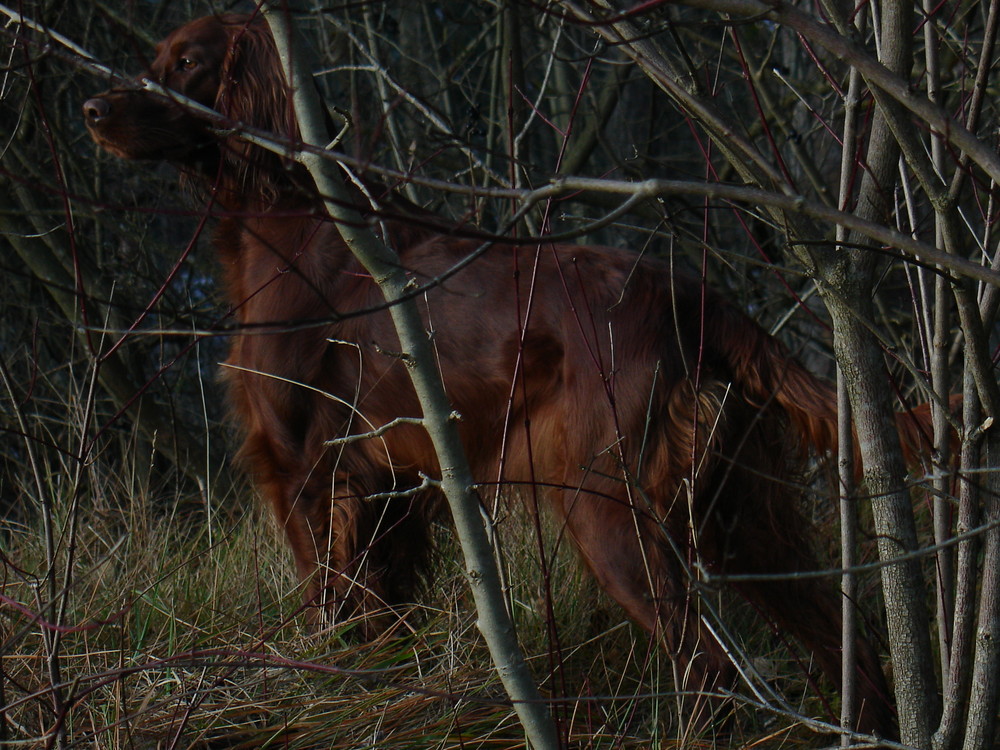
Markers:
(96, 109)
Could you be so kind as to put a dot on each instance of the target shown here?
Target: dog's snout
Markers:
(96, 109)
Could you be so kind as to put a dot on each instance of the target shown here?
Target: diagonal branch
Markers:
(456, 476)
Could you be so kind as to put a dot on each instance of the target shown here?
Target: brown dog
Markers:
(657, 422)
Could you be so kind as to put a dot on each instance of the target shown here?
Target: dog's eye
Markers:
(186, 63)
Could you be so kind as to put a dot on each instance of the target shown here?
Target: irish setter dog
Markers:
(657, 423)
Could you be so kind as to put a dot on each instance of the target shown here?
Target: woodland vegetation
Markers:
(832, 169)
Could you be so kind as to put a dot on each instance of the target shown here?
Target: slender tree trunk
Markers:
(848, 280)
(457, 482)
(983, 699)
(909, 640)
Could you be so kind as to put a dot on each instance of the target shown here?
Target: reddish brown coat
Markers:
(659, 424)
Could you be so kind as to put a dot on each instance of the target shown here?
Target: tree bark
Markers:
(438, 418)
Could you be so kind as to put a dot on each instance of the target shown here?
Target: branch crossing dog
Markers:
(659, 425)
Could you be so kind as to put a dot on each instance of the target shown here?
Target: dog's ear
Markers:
(253, 92)
(252, 89)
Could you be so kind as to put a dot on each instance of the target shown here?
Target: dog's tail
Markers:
(766, 373)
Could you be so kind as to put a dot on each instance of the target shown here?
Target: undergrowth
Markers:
(176, 627)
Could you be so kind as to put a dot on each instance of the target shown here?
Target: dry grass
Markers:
(177, 632)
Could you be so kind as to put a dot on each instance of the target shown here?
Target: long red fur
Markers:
(658, 424)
